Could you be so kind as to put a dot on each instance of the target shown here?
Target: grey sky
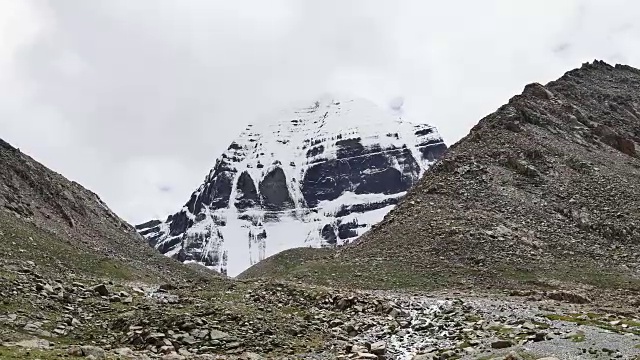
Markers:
(136, 99)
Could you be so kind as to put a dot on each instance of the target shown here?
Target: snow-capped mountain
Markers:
(317, 176)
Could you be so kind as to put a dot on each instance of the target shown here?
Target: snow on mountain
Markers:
(317, 176)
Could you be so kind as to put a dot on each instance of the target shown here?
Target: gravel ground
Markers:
(270, 320)
(573, 331)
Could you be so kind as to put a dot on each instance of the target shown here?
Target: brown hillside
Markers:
(57, 223)
(544, 191)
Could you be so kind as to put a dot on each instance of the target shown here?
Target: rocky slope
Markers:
(76, 282)
(315, 176)
(45, 316)
(544, 191)
(56, 222)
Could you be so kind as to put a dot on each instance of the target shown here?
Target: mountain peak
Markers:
(316, 175)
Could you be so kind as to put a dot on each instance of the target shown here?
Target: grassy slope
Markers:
(21, 240)
(326, 267)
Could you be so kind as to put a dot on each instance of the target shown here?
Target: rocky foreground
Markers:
(48, 317)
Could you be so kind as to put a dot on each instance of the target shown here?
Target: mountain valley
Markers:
(521, 241)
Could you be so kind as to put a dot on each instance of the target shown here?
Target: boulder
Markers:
(379, 348)
(501, 344)
(34, 344)
(101, 290)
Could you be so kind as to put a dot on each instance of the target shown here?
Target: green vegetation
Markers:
(502, 330)
(22, 240)
(591, 319)
(540, 325)
(577, 337)
(632, 323)
(12, 353)
(318, 266)
(557, 317)
(585, 272)
(330, 268)
(473, 318)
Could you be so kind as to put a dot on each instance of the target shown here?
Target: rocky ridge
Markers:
(50, 220)
(542, 193)
(317, 176)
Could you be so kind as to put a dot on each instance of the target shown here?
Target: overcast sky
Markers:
(135, 99)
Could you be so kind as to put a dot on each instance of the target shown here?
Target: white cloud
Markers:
(136, 99)
(19, 24)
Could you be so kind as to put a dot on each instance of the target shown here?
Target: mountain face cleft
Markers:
(317, 176)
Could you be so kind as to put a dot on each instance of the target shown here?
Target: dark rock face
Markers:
(363, 208)
(247, 195)
(329, 234)
(348, 230)
(432, 151)
(318, 176)
(274, 192)
(216, 193)
(350, 148)
(168, 245)
(315, 151)
(149, 224)
(362, 171)
(387, 181)
(179, 223)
